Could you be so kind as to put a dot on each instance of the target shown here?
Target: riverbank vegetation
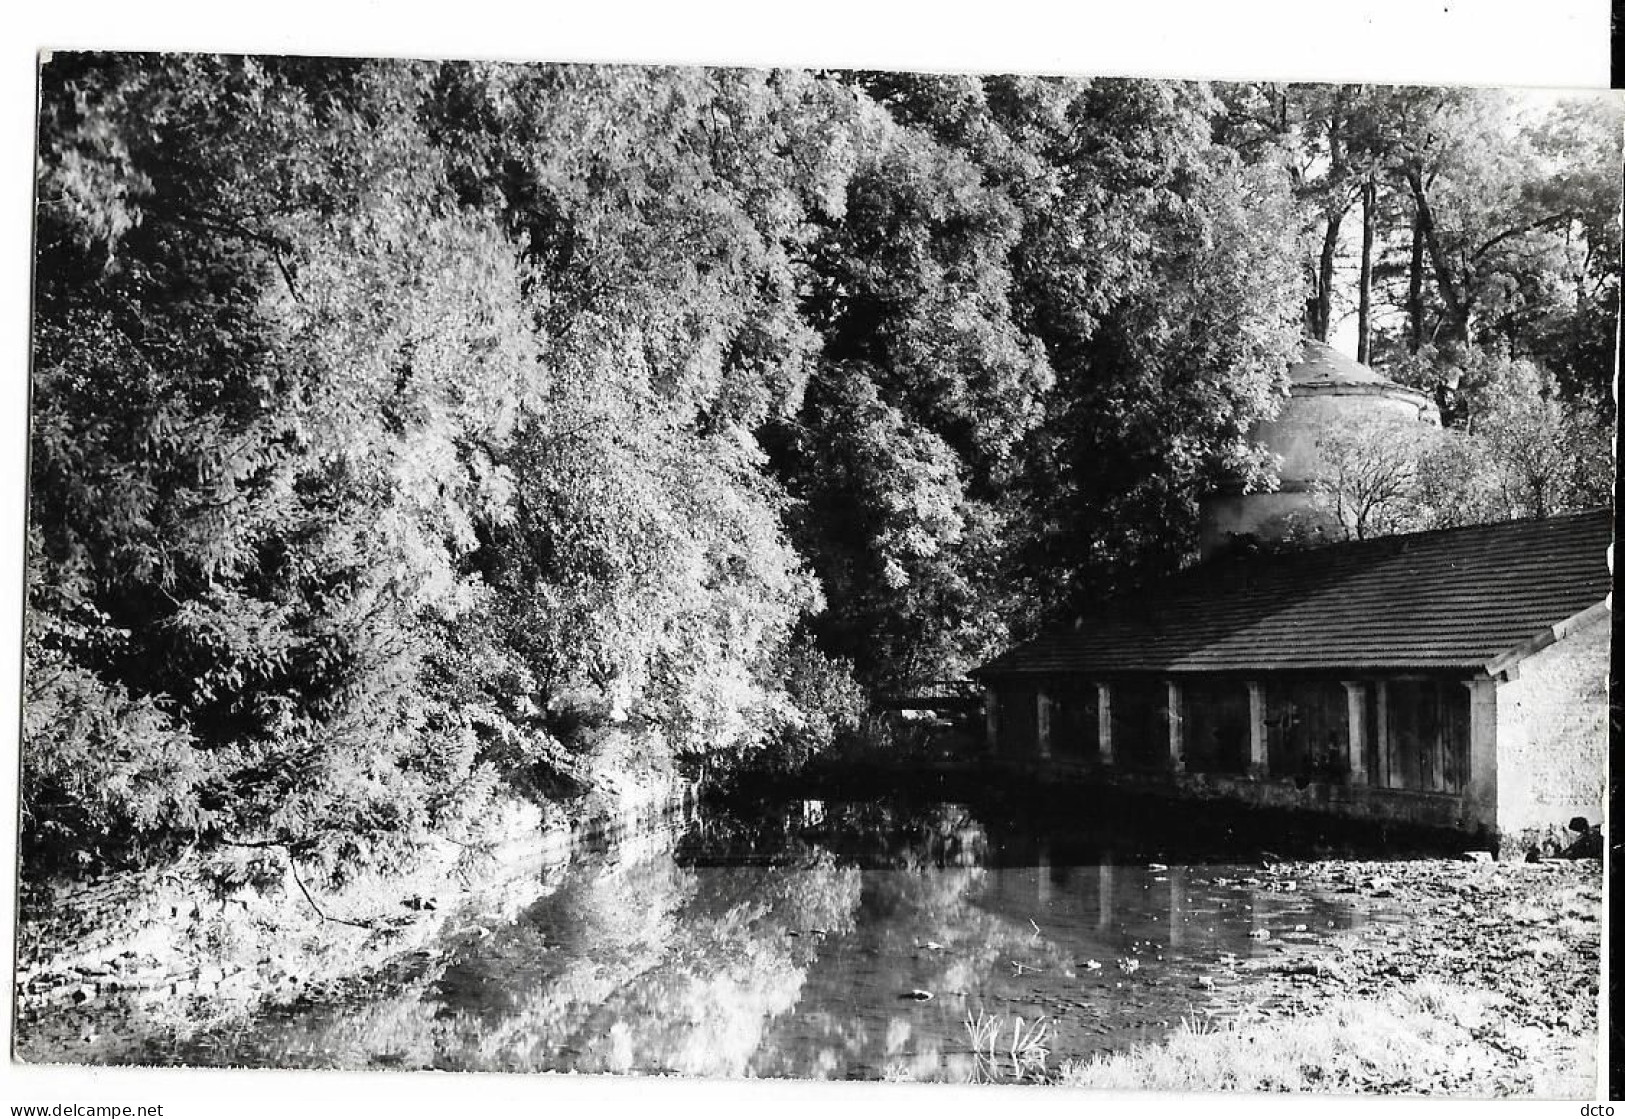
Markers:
(407, 436)
(1429, 1037)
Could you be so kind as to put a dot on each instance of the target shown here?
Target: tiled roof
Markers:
(1320, 364)
(1454, 599)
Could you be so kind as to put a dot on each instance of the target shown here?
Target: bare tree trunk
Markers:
(1413, 305)
(1368, 231)
(1311, 305)
(1458, 308)
(1321, 310)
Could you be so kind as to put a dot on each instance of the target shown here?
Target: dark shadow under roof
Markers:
(1454, 599)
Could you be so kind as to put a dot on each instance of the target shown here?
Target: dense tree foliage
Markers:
(1486, 273)
(1487, 221)
(1525, 452)
(408, 432)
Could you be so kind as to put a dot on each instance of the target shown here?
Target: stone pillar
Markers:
(1104, 692)
(1357, 732)
(1176, 728)
(1257, 738)
(1481, 801)
(1042, 722)
(1381, 767)
(990, 712)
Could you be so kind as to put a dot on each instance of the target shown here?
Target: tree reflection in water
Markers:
(788, 943)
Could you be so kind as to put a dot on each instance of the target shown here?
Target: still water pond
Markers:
(804, 942)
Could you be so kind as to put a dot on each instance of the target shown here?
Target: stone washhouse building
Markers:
(1454, 679)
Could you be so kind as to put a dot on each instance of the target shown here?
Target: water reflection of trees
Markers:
(687, 969)
(799, 962)
(921, 928)
(649, 967)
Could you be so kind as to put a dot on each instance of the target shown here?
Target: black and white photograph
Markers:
(1089, 583)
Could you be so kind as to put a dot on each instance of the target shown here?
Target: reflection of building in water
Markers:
(1107, 888)
(1176, 907)
(1454, 678)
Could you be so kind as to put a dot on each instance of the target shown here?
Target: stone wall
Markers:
(1294, 437)
(1440, 811)
(1552, 737)
(1355, 802)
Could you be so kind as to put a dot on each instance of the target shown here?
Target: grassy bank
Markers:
(1488, 988)
(1427, 1037)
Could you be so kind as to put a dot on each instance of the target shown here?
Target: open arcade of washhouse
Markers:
(1455, 678)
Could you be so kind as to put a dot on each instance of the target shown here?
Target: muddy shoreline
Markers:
(1497, 966)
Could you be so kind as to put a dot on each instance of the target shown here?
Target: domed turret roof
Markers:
(1323, 372)
(1322, 365)
(1329, 393)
